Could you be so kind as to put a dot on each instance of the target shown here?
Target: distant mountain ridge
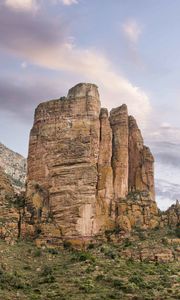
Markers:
(14, 165)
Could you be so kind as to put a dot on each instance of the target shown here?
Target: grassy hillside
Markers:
(100, 272)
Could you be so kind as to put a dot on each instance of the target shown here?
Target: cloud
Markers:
(21, 5)
(132, 31)
(19, 96)
(166, 193)
(166, 153)
(166, 133)
(164, 141)
(68, 2)
(24, 65)
(33, 5)
(23, 31)
(42, 41)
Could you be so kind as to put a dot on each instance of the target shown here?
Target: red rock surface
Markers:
(82, 165)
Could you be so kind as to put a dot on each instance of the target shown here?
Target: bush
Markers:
(108, 252)
(100, 277)
(67, 245)
(164, 241)
(47, 274)
(47, 270)
(11, 281)
(53, 251)
(177, 231)
(126, 287)
(90, 246)
(127, 243)
(138, 280)
(37, 253)
(82, 256)
(119, 284)
(87, 286)
(48, 279)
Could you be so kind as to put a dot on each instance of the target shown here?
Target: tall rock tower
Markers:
(84, 168)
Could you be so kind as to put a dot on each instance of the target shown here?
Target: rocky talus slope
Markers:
(14, 165)
(88, 170)
(9, 216)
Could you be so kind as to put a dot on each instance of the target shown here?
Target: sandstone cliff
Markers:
(87, 171)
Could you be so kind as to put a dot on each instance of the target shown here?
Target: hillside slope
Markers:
(14, 165)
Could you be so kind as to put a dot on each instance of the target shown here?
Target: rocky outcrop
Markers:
(105, 192)
(14, 165)
(84, 166)
(9, 217)
(137, 210)
(5, 185)
(120, 130)
(171, 217)
(141, 171)
(62, 161)
(149, 254)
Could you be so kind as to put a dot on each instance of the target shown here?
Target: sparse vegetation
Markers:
(100, 272)
(177, 231)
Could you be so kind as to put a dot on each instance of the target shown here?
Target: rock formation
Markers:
(87, 171)
(171, 217)
(141, 171)
(8, 215)
(14, 165)
(5, 185)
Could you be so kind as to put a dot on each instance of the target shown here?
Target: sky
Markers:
(129, 48)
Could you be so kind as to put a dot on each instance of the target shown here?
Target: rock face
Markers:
(63, 157)
(8, 215)
(5, 184)
(141, 172)
(84, 167)
(14, 165)
(171, 217)
(120, 130)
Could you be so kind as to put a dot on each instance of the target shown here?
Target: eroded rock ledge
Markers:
(88, 171)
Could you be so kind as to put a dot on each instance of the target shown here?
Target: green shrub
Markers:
(37, 253)
(11, 281)
(47, 275)
(47, 270)
(100, 277)
(90, 246)
(127, 243)
(87, 286)
(138, 280)
(164, 241)
(119, 284)
(53, 251)
(48, 279)
(177, 231)
(67, 245)
(108, 252)
(82, 256)
(90, 269)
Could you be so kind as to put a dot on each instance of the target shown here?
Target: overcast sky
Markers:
(129, 48)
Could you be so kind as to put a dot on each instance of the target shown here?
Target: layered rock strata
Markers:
(141, 171)
(82, 165)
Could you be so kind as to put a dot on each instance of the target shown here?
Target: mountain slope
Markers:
(14, 165)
